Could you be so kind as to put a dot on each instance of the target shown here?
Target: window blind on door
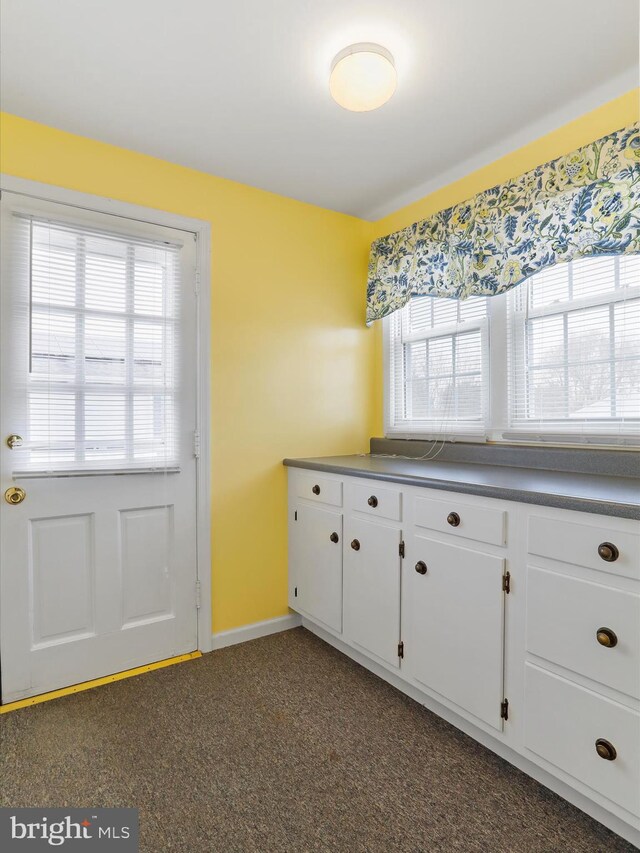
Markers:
(574, 349)
(438, 379)
(101, 368)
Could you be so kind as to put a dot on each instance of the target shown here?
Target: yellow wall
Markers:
(295, 373)
(292, 362)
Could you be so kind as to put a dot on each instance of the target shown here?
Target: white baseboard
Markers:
(255, 631)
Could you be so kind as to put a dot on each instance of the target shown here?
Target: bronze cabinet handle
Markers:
(316, 490)
(606, 750)
(421, 567)
(453, 519)
(334, 538)
(355, 544)
(606, 637)
(373, 501)
(608, 552)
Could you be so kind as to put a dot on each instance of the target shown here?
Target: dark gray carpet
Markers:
(282, 744)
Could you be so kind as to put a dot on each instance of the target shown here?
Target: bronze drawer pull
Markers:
(373, 501)
(453, 519)
(606, 750)
(316, 490)
(608, 552)
(421, 567)
(355, 545)
(334, 538)
(606, 637)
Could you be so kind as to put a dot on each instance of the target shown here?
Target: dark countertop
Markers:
(599, 493)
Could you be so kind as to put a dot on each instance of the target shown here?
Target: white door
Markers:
(316, 564)
(453, 624)
(372, 588)
(98, 553)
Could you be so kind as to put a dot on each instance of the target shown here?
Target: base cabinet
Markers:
(316, 553)
(372, 588)
(585, 734)
(453, 624)
(518, 623)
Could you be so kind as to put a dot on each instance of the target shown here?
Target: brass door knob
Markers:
(355, 545)
(14, 441)
(606, 637)
(421, 567)
(316, 490)
(608, 552)
(373, 501)
(334, 538)
(453, 519)
(15, 495)
(606, 750)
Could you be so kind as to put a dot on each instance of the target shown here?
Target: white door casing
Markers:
(98, 571)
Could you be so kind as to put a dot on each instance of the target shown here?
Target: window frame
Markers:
(499, 427)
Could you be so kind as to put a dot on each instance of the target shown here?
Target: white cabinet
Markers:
(585, 627)
(315, 564)
(453, 624)
(372, 587)
(585, 734)
(519, 623)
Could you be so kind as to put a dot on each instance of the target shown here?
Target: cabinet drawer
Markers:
(564, 618)
(562, 724)
(484, 524)
(321, 489)
(572, 542)
(370, 498)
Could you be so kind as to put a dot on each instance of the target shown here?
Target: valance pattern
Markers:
(585, 203)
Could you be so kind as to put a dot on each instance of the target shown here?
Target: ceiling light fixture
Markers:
(363, 77)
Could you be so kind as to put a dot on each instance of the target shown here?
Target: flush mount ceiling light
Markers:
(363, 77)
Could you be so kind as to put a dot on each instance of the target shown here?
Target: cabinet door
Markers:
(372, 588)
(315, 564)
(453, 624)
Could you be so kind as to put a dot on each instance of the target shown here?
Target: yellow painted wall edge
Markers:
(294, 370)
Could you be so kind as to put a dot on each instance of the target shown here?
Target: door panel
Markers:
(453, 619)
(372, 588)
(146, 535)
(62, 579)
(97, 374)
(317, 564)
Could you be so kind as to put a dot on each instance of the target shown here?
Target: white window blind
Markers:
(574, 350)
(103, 311)
(438, 367)
(555, 359)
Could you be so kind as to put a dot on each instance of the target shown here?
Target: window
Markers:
(563, 360)
(439, 370)
(101, 374)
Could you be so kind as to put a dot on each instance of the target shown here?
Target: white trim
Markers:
(254, 631)
(538, 773)
(581, 105)
(202, 231)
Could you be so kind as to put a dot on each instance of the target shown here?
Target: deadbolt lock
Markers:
(14, 441)
(15, 495)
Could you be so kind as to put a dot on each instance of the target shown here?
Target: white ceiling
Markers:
(240, 88)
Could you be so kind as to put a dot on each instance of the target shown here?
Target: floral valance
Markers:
(585, 203)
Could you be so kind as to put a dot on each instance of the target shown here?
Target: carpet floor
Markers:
(281, 744)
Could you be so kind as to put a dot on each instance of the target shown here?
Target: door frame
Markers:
(201, 229)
